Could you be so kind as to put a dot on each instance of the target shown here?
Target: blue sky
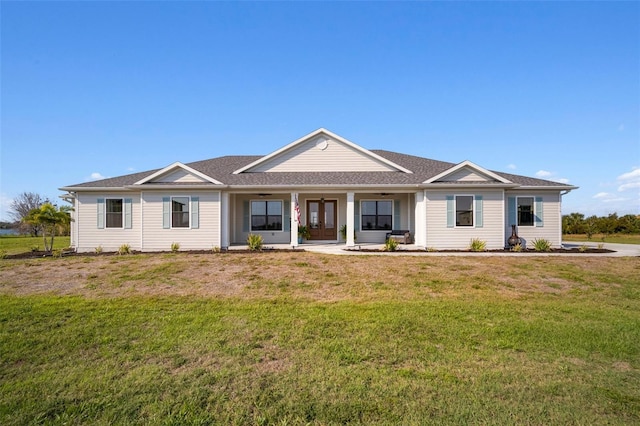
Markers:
(101, 89)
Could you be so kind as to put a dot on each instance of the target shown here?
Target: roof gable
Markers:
(467, 172)
(177, 173)
(322, 151)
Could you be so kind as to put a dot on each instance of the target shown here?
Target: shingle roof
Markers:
(222, 168)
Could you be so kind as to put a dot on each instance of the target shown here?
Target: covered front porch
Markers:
(330, 217)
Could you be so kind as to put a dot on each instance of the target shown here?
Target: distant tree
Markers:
(608, 225)
(629, 224)
(20, 208)
(573, 224)
(48, 218)
(591, 226)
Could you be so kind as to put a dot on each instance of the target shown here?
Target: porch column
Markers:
(224, 220)
(294, 220)
(421, 219)
(350, 223)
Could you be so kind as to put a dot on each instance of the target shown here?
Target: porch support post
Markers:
(294, 220)
(350, 222)
(421, 219)
(224, 220)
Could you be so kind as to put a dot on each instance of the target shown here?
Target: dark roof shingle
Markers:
(222, 168)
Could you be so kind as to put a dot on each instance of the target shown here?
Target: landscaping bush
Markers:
(541, 244)
(255, 242)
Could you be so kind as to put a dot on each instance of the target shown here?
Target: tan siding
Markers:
(551, 218)
(465, 175)
(337, 157)
(89, 237)
(179, 176)
(156, 238)
(441, 237)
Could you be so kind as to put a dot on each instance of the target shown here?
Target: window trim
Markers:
(106, 213)
(266, 215)
(533, 211)
(188, 197)
(473, 211)
(377, 200)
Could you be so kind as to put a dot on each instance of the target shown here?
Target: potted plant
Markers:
(303, 233)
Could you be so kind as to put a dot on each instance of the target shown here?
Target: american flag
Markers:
(297, 209)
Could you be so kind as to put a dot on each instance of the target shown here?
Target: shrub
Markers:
(583, 248)
(343, 232)
(518, 248)
(35, 248)
(99, 249)
(175, 247)
(255, 242)
(57, 253)
(390, 245)
(478, 245)
(3, 254)
(215, 249)
(541, 244)
(124, 249)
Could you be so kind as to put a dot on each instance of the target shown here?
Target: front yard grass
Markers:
(16, 244)
(302, 338)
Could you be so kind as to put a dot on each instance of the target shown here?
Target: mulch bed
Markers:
(41, 254)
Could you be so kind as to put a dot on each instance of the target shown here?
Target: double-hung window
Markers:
(526, 216)
(180, 212)
(376, 215)
(266, 215)
(464, 210)
(114, 213)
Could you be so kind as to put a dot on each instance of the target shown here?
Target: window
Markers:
(464, 210)
(266, 215)
(180, 212)
(377, 215)
(526, 215)
(114, 212)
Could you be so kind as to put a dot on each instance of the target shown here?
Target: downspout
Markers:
(141, 221)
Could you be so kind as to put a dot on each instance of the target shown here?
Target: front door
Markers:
(321, 219)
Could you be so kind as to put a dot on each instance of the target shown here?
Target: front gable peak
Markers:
(177, 173)
(468, 172)
(322, 151)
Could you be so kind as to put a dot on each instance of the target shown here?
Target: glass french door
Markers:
(321, 219)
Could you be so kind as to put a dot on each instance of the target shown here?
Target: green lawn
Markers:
(14, 244)
(458, 351)
(598, 238)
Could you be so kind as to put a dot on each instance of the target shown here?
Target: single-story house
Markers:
(322, 181)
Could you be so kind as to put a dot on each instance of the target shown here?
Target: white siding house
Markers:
(332, 183)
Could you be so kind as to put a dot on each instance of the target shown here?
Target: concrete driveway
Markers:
(620, 250)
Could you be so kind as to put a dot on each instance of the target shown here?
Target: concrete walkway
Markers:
(620, 250)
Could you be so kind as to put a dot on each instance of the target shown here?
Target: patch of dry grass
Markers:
(312, 276)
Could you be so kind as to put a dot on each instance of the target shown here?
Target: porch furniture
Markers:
(400, 235)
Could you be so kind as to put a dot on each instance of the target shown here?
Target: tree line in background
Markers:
(576, 223)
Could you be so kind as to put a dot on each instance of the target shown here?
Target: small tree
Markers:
(20, 208)
(48, 218)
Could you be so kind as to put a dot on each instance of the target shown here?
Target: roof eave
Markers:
(554, 187)
(92, 188)
(147, 186)
(470, 185)
(327, 187)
